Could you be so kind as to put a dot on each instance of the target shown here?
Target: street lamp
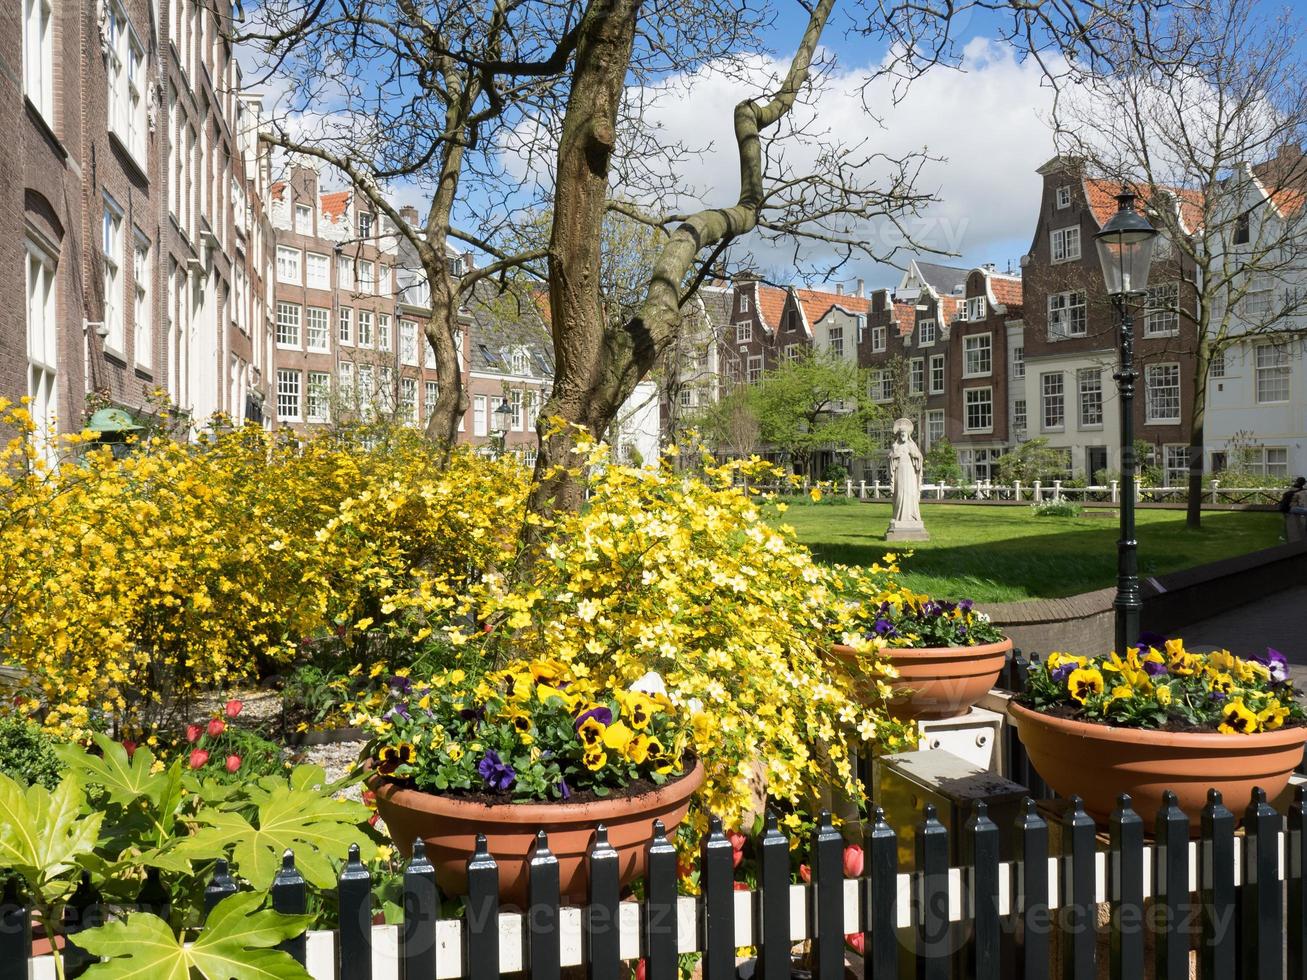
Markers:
(1125, 248)
(503, 415)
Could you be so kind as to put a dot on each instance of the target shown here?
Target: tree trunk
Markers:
(1197, 418)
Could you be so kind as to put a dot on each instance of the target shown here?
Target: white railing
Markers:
(1035, 493)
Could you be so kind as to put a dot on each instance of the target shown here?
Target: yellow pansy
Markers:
(1237, 719)
(1084, 682)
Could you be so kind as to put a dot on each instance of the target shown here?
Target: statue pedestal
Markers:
(906, 531)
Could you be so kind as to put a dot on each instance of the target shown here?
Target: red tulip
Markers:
(216, 727)
(369, 798)
(852, 861)
(130, 746)
(193, 732)
(741, 886)
(198, 758)
(737, 840)
(233, 763)
(640, 969)
(805, 872)
(372, 820)
(858, 941)
(234, 707)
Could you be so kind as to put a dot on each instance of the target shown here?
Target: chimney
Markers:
(861, 289)
(839, 289)
(990, 267)
(409, 214)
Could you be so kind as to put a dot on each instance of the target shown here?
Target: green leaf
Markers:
(124, 779)
(42, 833)
(236, 943)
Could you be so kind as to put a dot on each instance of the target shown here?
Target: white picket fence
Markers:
(1037, 492)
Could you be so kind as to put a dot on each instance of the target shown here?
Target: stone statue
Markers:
(905, 486)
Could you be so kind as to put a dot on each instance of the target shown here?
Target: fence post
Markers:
(660, 932)
(1079, 912)
(848, 488)
(717, 907)
(931, 899)
(600, 922)
(1030, 912)
(417, 936)
(1216, 489)
(1216, 948)
(875, 489)
(219, 887)
(544, 943)
(290, 896)
(15, 934)
(1116, 492)
(939, 491)
(1295, 860)
(827, 902)
(1057, 491)
(354, 890)
(1125, 876)
(481, 911)
(1016, 490)
(1263, 922)
(1039, 492)
(862, 489)
(772, 913)
(882, 857)
(981, 893)
(1171, 889)
(153, 896)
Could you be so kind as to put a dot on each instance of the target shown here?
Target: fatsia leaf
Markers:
(124, 778)
(43, 833)
(235, 944)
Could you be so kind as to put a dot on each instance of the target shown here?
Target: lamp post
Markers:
(503, 415)
(1125, 249)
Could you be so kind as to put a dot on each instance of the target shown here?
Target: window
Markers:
(317, 328)
(976, 308)
(365, 224)
(1064, 196)
(1066, 315)
(1162, 314)
(754, 369)
(978, 464)
(345, 378)
(1019, 416)
(1276, 462)
(288, 265)
(791, 352)
(519, 362)
(365, 328)
(1065, 244)
(877, 339)
(42, 346)
(408, 341)
(383, 331)
(1175, 465)
(937, 378)
(431, 391)
(1259, 297)
(917, 375)
(408, 398)
(1241, 233)
(480, 416)
(303, 219)
(317, 270)
(38, 55)
(1018, 361)
(345, 326)
(744, 331)
(977, 356)
(836, 335)
(112, 246)
(1089, 382)
(344, 272)
(383, 279)
(142, 321)
(1272, 366)
(318, 400)
(880, 388)
(1216, 365)
(366, 389)
(288, 395)
(1162, 393)
(979, 409)
(926, 333)
(519, 413)
(744, 303)
(934, 426)
(1052, 401)
(367, 277)
(126, 77)
(288, 325)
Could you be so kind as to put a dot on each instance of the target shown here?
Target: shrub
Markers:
(27, 754)
(1056, 508)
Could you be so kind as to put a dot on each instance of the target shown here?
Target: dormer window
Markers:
(1064, 196)
(975, 309)
(744, 303)
(520, 362)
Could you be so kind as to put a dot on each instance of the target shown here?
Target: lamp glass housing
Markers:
(1125, 249)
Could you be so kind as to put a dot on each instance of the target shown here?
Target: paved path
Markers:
(1279, 621)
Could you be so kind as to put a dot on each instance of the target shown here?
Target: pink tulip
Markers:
(640, 970)
(216, 727)
(852, 861)
(130, 746)
(234, 707)
(198, 758)
(193, 732)
(858, 941)
(233, 763)
(805, 873)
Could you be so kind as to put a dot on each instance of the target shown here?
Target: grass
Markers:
(1004, 554)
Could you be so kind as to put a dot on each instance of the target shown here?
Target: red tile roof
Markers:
(817, 303)
(771, 305)
(277, 188)
(334, 204)
(1006, 290)
(1101, 195)
(948, 307)
(905, 317)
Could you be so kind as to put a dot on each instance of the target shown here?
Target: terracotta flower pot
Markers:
(939, 682)
(449, 828)
(1100, 762)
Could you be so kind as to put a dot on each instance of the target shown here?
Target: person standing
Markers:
(1293, 505)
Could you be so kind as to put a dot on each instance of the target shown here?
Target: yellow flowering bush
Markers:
(1168, 686)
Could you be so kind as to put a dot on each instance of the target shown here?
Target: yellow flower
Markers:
(455, 752)
(1163, 695)
(815, 494)
(1084, 682)
(1056, 660)
(617, 737)
(545, 691)
(637, 749)
(1121, 692)
(595, 759)
(637, 708)
(1221, 682)
(1272, 716)
(592, 732)
(1237, 719)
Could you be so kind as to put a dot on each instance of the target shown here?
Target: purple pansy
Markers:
(400, 685)
(1150, 640)
(1060, 674)
(498, 774)
(1274, 661)
(564, 789)
(1153, 668)
(600, 714)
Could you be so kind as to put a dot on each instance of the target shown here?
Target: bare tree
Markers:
(1213, 145)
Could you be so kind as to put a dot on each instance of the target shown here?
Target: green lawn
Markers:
(1002, 554)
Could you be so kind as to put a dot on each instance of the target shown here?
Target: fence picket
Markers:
(544, 944)
(354, 892)
(1295, 874)
(1263, 920)
(772, 909)
(931, 899)
(1217, 942)
(1125, 883)
(660, 928)
(481, 911)
(1171, 889)
(153, 896)
(1030, 907)
(220, 885)
(417, 936)
(600, 924)
(15, 934)
(882, 856)
(1078, 916)
(981, 891)
(717, 904)
(290, 895)
(827, 900)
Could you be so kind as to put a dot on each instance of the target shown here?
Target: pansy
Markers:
(391, 757)
(1085, 682)
(1275, 662)
(498, 775)
(1237, 719)
(591, 732)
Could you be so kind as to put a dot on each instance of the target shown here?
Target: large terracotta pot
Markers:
(939, 682)
(449, 828)
(1100, 762)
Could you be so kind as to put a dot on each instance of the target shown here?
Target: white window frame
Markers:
(126, 77)
(1272, 374)
(290, 265)
(142, 312)
(1089, 397)
(480, 418)
(1020, 418)
(917, 376)
(430, 392)
(408, 399)
(317, 270)
(408, 342)
(289, 323)
(1063, 197)
(367, 272)
(365, 321)
(1154, 403)
(927, 332)
(345, 272)
(938, 373)
(743, 331)
(1063, 321)
(977, 308)
(971, 399)
(971, 345)
(317, 329)
(517, 402)
(878, 335)
(345, 326)
(880, 386)
(1049, 399)
(384, 338)
(835, 340)
(42, 346)
(1216, 366)
(1162, 313)
(290, 390)
(317, 402)
(744, 303)
(935, 430)
(1064, 244)
(1175, 464)
(1018, 361)
(753, 368)
(303, 219)
(111, 244)
(38, 56)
